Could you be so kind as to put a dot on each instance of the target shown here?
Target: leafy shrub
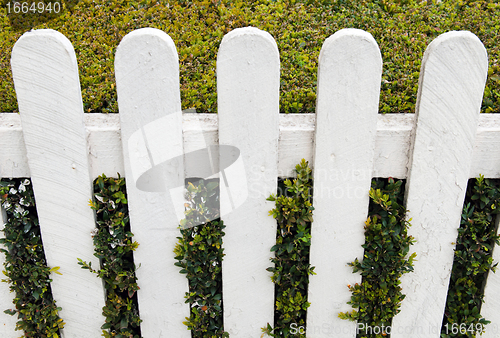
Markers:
(199, 254)
(402, 29)
(25, 267)
(291, 270)
(473, 260)
(114, 247)
(378, 298)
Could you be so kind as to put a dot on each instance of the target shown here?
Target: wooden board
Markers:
(147, 78)
(248, 106)
(346, 125)
(295, 143)
(45, 73)
(451, 87)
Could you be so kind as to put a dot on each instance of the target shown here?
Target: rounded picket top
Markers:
(146, 62)
(146, 41)
(460, 59)
(248, 57)
(141, 36)
(45, 56)
(47, 37)
(248, 88)
(243, 39)
(342, 55)
(351, 39)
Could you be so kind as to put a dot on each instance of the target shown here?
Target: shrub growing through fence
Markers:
(378, 298)
(291, 270)
(25, 267)
(114, 247)
(472, 262)
(199, 254)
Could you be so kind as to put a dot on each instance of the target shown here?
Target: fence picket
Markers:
(7, 322)
(147, 78)
(45, 73)
(248, 105)
(452, 80)
(346, 124)
(295, 142)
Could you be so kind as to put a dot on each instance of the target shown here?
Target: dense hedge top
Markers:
(402, 28)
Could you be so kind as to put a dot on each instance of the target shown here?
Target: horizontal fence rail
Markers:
(248, 146)
(296, 135)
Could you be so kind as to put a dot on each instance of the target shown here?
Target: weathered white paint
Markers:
(147, 78)
(7, 322)
(13, 160)
(451, 87)
(486, 157)
(248, 104)
(104, 144)
(490, 308)
(45, 73)
(346, 125)
(295, 143)
(392, 145)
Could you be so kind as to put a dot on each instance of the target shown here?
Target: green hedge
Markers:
(473, 260)
(291, 269)
(114, 246)
(402, 28)
(199, 254)
(25, 266)
(385, 259)
(29, 277)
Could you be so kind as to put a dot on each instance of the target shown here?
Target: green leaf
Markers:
(124, 323)
(106, 326)
(10, 312)
(55, 269)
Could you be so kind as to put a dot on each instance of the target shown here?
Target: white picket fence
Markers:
(155, 147)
